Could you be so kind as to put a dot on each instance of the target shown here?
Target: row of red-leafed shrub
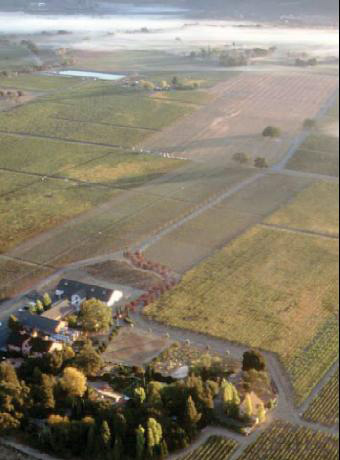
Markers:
(138, 260)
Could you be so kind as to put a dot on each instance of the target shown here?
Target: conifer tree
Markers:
(140, 442)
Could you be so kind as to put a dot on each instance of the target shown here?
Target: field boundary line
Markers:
(60, 139)
(155, 130)
(284, 228)
(319, 387)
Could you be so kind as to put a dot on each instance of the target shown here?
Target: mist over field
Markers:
(162, 31)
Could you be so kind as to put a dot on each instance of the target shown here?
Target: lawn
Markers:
(267, 289)
(283, 441)
(316, 209)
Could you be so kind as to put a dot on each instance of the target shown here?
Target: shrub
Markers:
(260, 162)
(240, 157)
(309, 123)
(271, 131)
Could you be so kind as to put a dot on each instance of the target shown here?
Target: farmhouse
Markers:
(77, 292)
(35, 324)
(60, 310)
(46, 328)
(23, 344)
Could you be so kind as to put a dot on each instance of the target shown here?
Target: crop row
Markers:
(214, 449)
(283, 441)
(311, 364)
(325, 407)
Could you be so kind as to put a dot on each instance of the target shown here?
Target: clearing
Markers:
(134, 348)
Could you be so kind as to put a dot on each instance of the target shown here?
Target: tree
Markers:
(240, 157)
(154, 436)
(105, 436)
(47, 301)
(45, 391)
(309, 123)
(175, 81)
(248, 405)
(95, 316)
(88, 360)
(260, 162)
(73, 382)
(39, 306)
(140, 442)
(8, 423)
(231, 399)
(14, 324)
(139, 396)
(8, 374)
(118, 449)
(262, 414)
(191, 416)
(271, 131)
(253, 360)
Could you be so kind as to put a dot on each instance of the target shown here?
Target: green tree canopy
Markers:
(95, 316)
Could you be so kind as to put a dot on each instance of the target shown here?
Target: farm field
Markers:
(283, 441)
(255, 291)
(134, 348)
(244, 106)
(44, 205)
(123, 273)
(311, 363)
(320, 152)
(316, 209)
(325, 407)
(86, 115)
(37, 82)
(12, 56)
(198, 238)
(215, 448)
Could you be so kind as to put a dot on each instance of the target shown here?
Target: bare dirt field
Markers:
(123, 273)
(134, 348)
(243, 107)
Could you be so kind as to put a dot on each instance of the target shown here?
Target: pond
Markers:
(85, 74)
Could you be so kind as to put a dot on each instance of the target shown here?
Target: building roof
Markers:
(40, 346)
(16, 339)
(88, 291)
(59, 310)
(45, 325)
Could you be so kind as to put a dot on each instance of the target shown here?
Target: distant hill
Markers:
(249, 9)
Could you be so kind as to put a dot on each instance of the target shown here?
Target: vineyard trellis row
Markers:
(283, 441)
(325, 407)
(215, 448)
